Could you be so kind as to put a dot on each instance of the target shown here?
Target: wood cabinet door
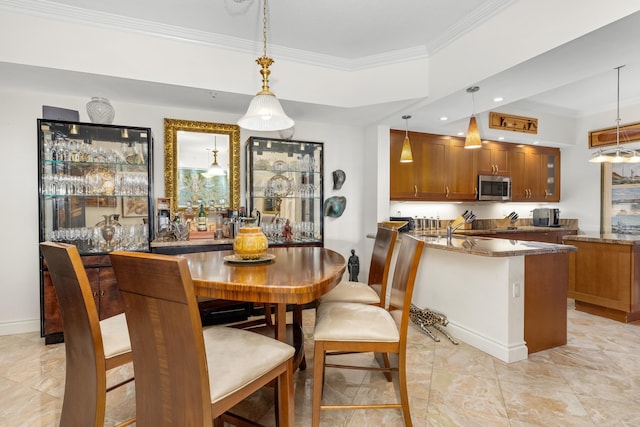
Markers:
(431, 168)
(109, 294)
(492, 159)
(52, 318)
(461, 178)
(402, 183)
(519, 189)
(534, 180)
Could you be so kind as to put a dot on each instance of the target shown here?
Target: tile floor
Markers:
(592, 381)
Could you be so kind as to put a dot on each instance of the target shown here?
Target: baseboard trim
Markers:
(19, 327)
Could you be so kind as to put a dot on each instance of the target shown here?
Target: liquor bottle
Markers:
(202, 219)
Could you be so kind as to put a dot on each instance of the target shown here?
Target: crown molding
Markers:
(468, 23)
(51, 10)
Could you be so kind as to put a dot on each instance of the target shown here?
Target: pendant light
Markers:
(215, 169)
(616, 154)
(265, 112)
(473, 135)
(406, 156)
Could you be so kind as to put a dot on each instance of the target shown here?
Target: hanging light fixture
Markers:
(215, 169)
(616, 154)
(406, 156)
(473, 135)
(265, 112)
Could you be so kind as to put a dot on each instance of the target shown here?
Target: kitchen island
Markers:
(604, 275)
(505, 297)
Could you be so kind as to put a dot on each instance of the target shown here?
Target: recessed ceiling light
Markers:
(536, 142)
(444, 118)
(501, 138)
(460, 133)
(498, 99)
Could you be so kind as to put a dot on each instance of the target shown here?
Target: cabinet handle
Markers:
(95, 294)
(101, 293)
(446, 191)
(475, 192)
(415, 190)
(546, 193)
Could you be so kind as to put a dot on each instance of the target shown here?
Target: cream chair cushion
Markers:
(236, 357)
(347, 291)
(349, 321)
(115, 335)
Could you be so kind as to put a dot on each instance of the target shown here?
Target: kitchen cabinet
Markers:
(492, 159)
(441, 170)
(535, 174)
(285, 183)
(95, 191)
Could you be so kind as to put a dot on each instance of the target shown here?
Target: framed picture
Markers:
(620, 198)
(134, 207)
(100, 202)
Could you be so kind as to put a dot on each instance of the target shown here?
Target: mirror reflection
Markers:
(202, 162)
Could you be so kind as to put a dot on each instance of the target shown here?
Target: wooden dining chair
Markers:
(354, 327)
(374, 291)
(187, 376)
(92, 347)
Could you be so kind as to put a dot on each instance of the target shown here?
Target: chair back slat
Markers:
(166, 331)
(381, 260)
(86, 367)
(404, 277)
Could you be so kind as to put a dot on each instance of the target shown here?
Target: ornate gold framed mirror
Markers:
(192, 150)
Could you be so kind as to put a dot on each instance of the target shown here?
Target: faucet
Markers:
(466, 218)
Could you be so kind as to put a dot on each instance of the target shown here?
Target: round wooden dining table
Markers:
(295, 275)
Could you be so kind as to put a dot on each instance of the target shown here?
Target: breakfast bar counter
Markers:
(505, 297)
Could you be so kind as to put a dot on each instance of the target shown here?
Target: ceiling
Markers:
(571, 81)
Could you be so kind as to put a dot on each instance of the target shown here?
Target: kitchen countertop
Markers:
(519, 229)
(621, 239)
(490, 247)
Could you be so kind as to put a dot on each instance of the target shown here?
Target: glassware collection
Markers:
(285, 183)
(95, 185)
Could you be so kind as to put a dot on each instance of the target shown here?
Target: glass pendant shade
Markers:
(215, 169)
(473, 135)
(406, 156)
(265, 114)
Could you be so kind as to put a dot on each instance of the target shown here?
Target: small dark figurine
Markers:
(287, 235)
(353, 266)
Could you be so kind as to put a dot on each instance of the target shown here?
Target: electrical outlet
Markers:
(516, 290)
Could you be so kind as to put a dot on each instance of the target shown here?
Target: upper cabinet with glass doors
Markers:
(95, 185)
(284, 183)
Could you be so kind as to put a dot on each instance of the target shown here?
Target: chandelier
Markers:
(616, 154)
(265, 112)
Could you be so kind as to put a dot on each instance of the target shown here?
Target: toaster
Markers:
(546, 217)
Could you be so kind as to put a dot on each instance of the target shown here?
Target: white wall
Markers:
(19, 286)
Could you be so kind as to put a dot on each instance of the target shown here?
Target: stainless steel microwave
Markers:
(493, 187)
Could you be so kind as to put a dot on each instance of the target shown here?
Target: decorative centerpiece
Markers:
(250, 243)
(100, 110)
